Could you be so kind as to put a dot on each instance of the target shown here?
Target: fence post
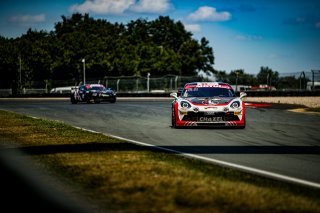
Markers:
(148, 79)
(304, 77)
(137, 84)
(176, 83)
(312, 80)
(118, 82)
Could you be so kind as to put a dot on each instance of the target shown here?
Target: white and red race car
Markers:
(208, 104)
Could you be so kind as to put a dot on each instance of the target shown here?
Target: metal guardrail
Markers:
(167, 94)
(5, 92)
(296, 84)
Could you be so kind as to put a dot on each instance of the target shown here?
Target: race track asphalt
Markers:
(275, 140)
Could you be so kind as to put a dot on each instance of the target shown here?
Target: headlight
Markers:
(235, 104)
(185, 104)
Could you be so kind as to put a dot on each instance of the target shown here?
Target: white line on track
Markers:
(219, 162)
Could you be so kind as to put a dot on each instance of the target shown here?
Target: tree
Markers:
(159, 47)
(206, 59)
(222, 76)
(288, 82)
(9, 64)
(241, 78)
(268, 76)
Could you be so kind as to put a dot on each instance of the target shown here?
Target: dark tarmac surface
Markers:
(274, 140)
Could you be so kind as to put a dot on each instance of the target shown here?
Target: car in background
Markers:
(61, 90)
(207, 104)
(92, 93)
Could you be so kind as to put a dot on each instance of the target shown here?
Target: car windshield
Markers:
(97, 88)
(207, 92)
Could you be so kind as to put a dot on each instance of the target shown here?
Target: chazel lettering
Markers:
(210, 119)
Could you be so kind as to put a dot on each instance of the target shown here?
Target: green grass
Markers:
(315, 109)
(116, 175)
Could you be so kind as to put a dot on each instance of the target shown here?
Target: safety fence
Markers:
(297, 81)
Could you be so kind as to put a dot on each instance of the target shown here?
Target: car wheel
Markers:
(242, 127)
(97, 101)
(113, 101)
(88, 100)
(73, 100)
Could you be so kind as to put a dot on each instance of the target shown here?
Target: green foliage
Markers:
(9, 63)
(268, 76)
(289, 82)
(158, 47)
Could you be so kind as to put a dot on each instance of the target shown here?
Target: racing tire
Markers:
(242, 127)
(73, 100)
(113, 101)
(88, 100)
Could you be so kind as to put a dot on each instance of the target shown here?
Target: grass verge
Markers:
(315, 109)
(122, 177)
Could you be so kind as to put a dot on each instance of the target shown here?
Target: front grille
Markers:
(218, 116)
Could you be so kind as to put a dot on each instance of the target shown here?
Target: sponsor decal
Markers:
(210, 107)
(213, 84)
(208, 85)
(209, 113)
(210, 119)
(214, 101)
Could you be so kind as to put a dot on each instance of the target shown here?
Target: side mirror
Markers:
(242, 95)
(174, 95)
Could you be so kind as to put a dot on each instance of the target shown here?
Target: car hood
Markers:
(210, 100)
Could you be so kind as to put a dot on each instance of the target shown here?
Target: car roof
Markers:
(92, 85)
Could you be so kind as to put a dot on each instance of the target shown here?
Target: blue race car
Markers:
(92, 93)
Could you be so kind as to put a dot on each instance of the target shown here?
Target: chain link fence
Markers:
(300, 80)
(297, 81)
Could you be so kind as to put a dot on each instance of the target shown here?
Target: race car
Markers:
(208, 104)
(92, 93)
